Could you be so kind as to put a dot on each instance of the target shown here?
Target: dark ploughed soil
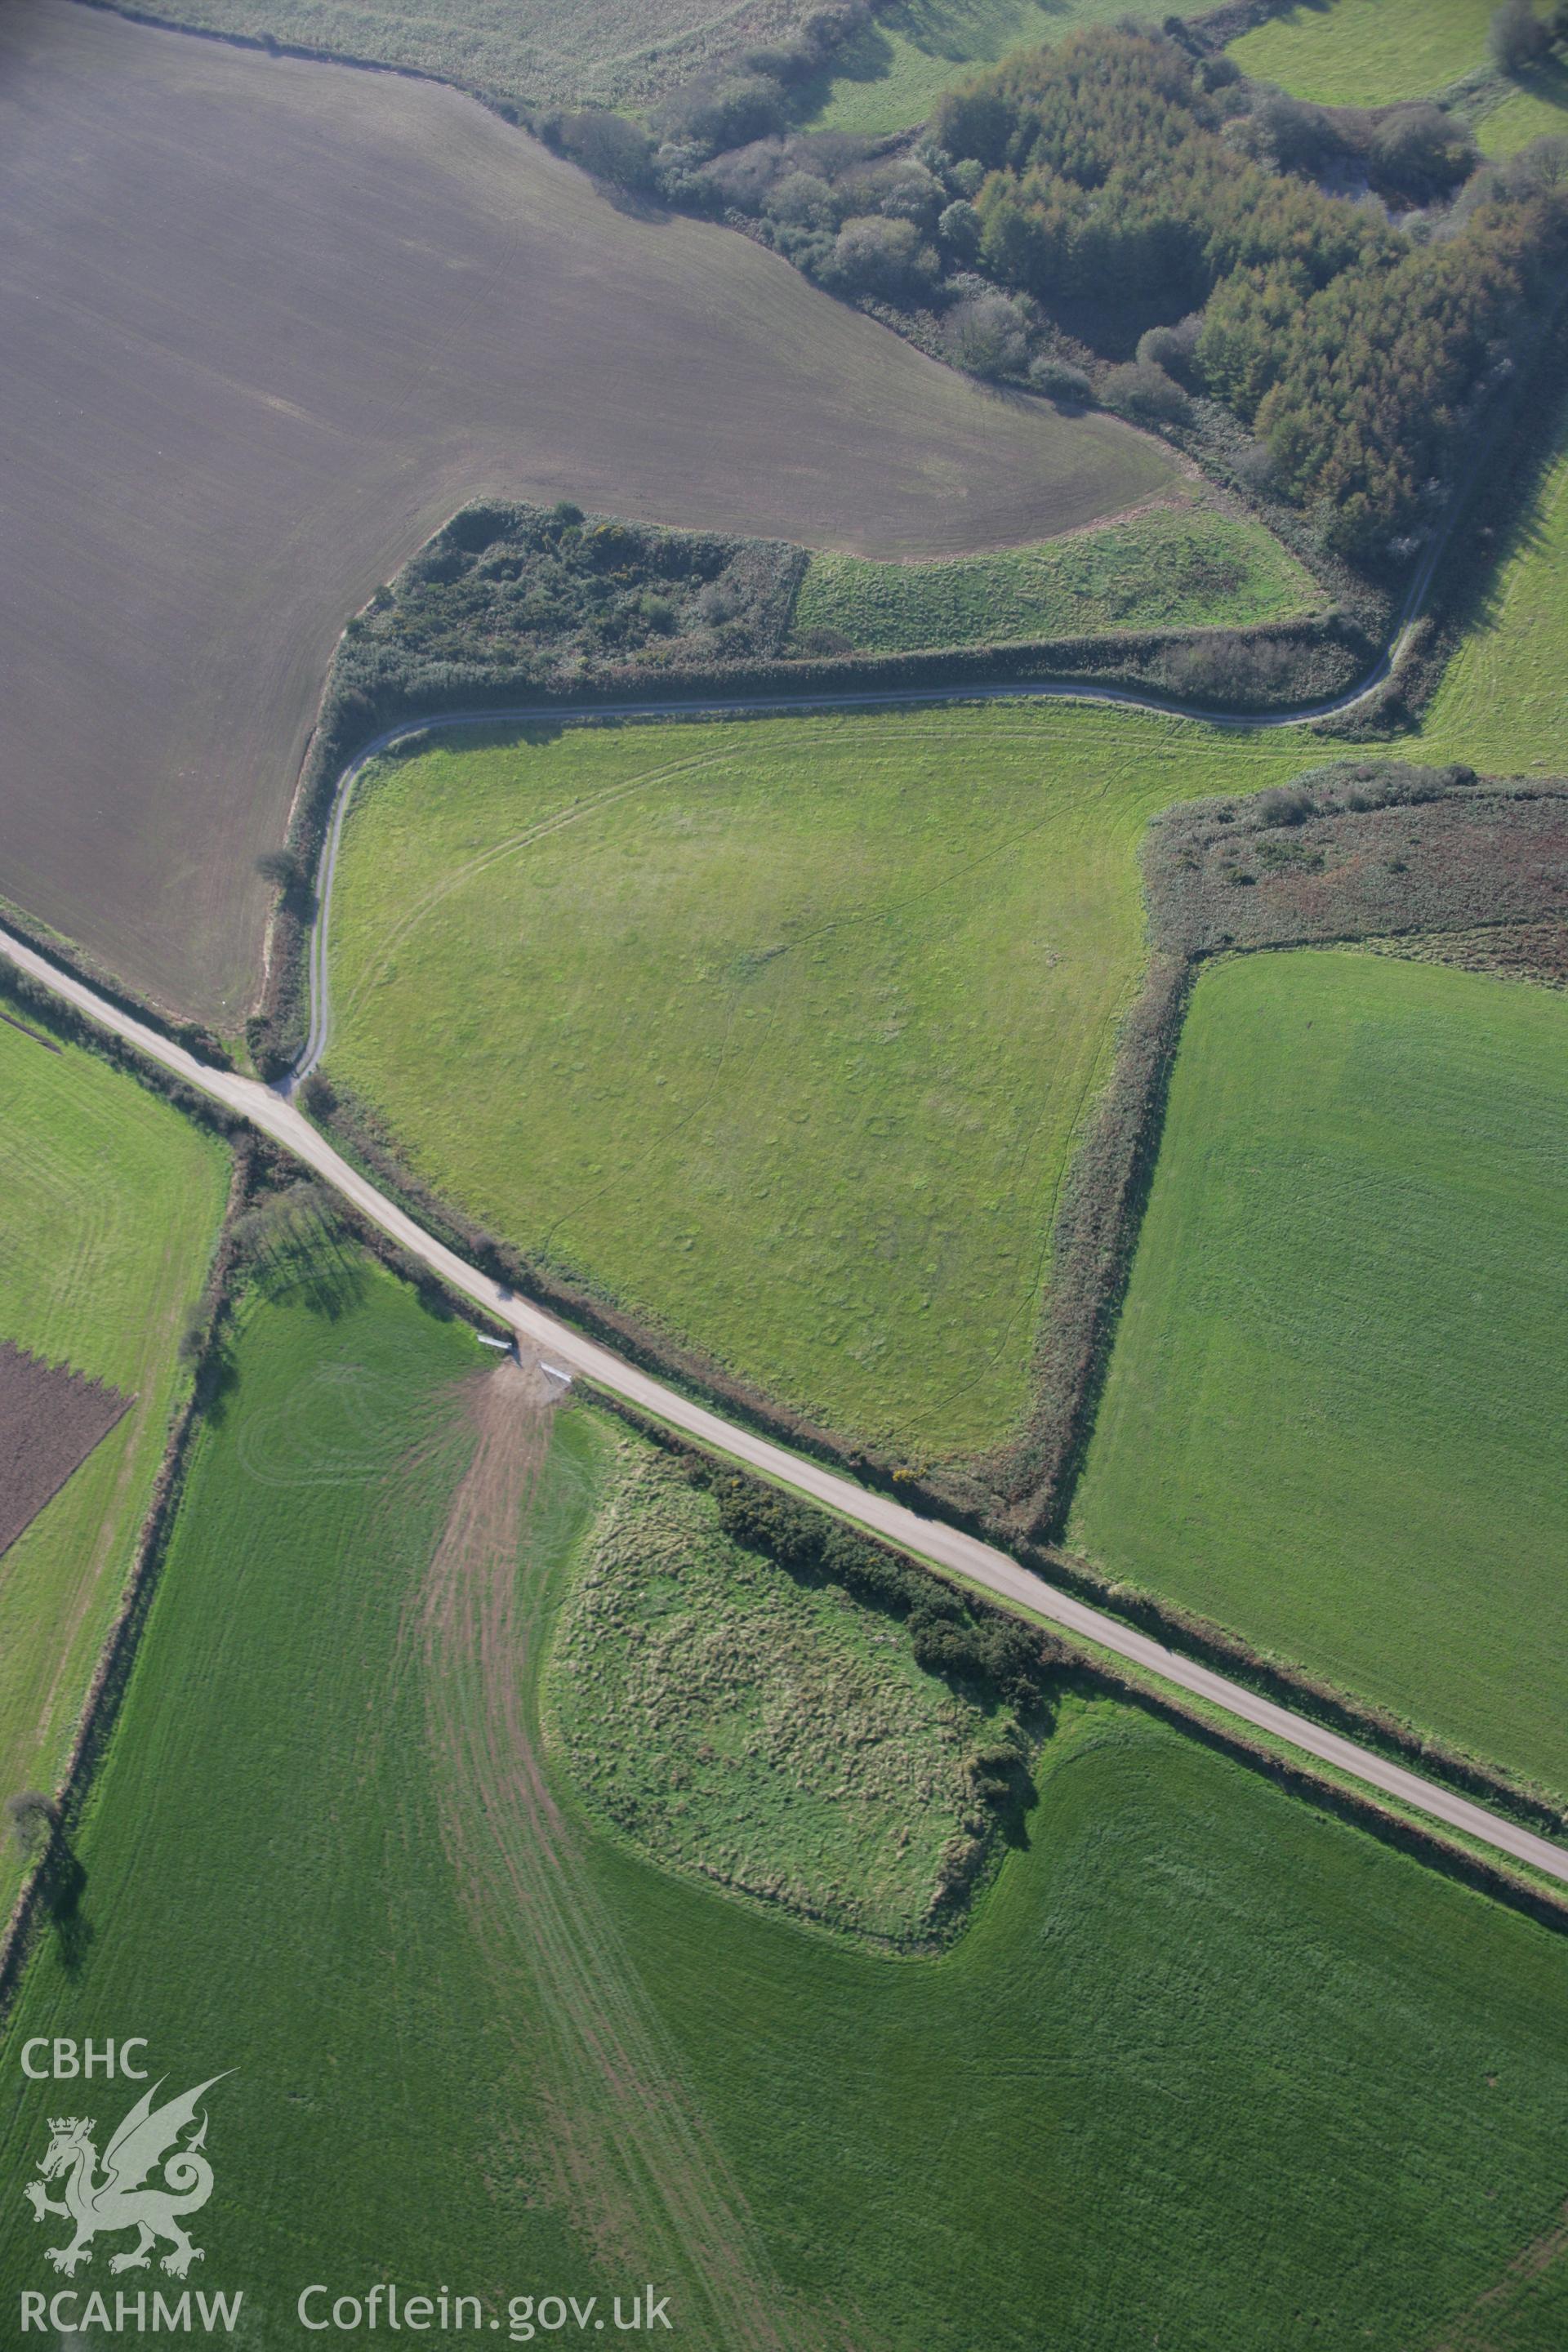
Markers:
(50, 1420)
(263, 325)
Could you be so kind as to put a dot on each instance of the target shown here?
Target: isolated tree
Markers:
(802, 196)
(1517, 37)
(610, 147)
(1171, 347)
(1059, 379)
(987, 336)
(1422, 150)
(875, 256)
(1144, 392)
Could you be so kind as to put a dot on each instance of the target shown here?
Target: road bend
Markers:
(271, 1110)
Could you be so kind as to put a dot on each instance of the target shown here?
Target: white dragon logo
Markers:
(117, 2200)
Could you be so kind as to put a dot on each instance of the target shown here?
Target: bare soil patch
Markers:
(50, 1420)
(266, 324)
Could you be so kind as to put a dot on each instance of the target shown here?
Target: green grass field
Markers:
(1193, 2020)
(893, 74)
(1367, 52)
(1502, 703)
(1334, 1410)
(1536, 109)
(110, 1206)
(781, 1033)
(1172, 567)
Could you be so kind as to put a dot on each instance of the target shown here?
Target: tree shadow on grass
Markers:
(61, 1879)
(1546, 82)
(302, 1258)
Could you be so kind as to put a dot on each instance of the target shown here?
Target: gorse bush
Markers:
(1359, 354)
(538, 597)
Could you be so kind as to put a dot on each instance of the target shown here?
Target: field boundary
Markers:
(513, 111)
(82, 965)
(1096, 1234)
(1019, 1495)
(18, 988)
(51, 1891)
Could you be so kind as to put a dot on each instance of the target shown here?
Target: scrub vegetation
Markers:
(110, 1207)
(521, 601)
(778, 1034)
(1315, 1429)
(769, 1732)
(330, 1747)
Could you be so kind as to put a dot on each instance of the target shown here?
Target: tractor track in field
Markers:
(634, 2164)
(819, 701)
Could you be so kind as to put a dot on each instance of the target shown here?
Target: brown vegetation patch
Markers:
(268, 323)
(50, 1420)
(1330, 857)
(1534, 952)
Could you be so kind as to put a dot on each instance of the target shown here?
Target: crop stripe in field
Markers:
(635, 2157)
(269, 1110)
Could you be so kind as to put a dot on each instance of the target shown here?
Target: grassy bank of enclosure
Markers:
(1192, 2019)
(110, 1206)
(779, 1032)
(530, 52)
(768, 1731)
(1174, 567)
(1332, 1416)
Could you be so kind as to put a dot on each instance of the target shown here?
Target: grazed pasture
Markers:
(1366, 52)
(1503, 700)
(891, 75)
(1334, 1418)
(110, 1204)
(265, 324)
(779, 1034)
(1179, 566)
(493, 2039)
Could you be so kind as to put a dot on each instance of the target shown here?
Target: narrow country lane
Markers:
(271, 1110)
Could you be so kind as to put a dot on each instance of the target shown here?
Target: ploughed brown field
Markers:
(50, 1420)
(264, 324)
